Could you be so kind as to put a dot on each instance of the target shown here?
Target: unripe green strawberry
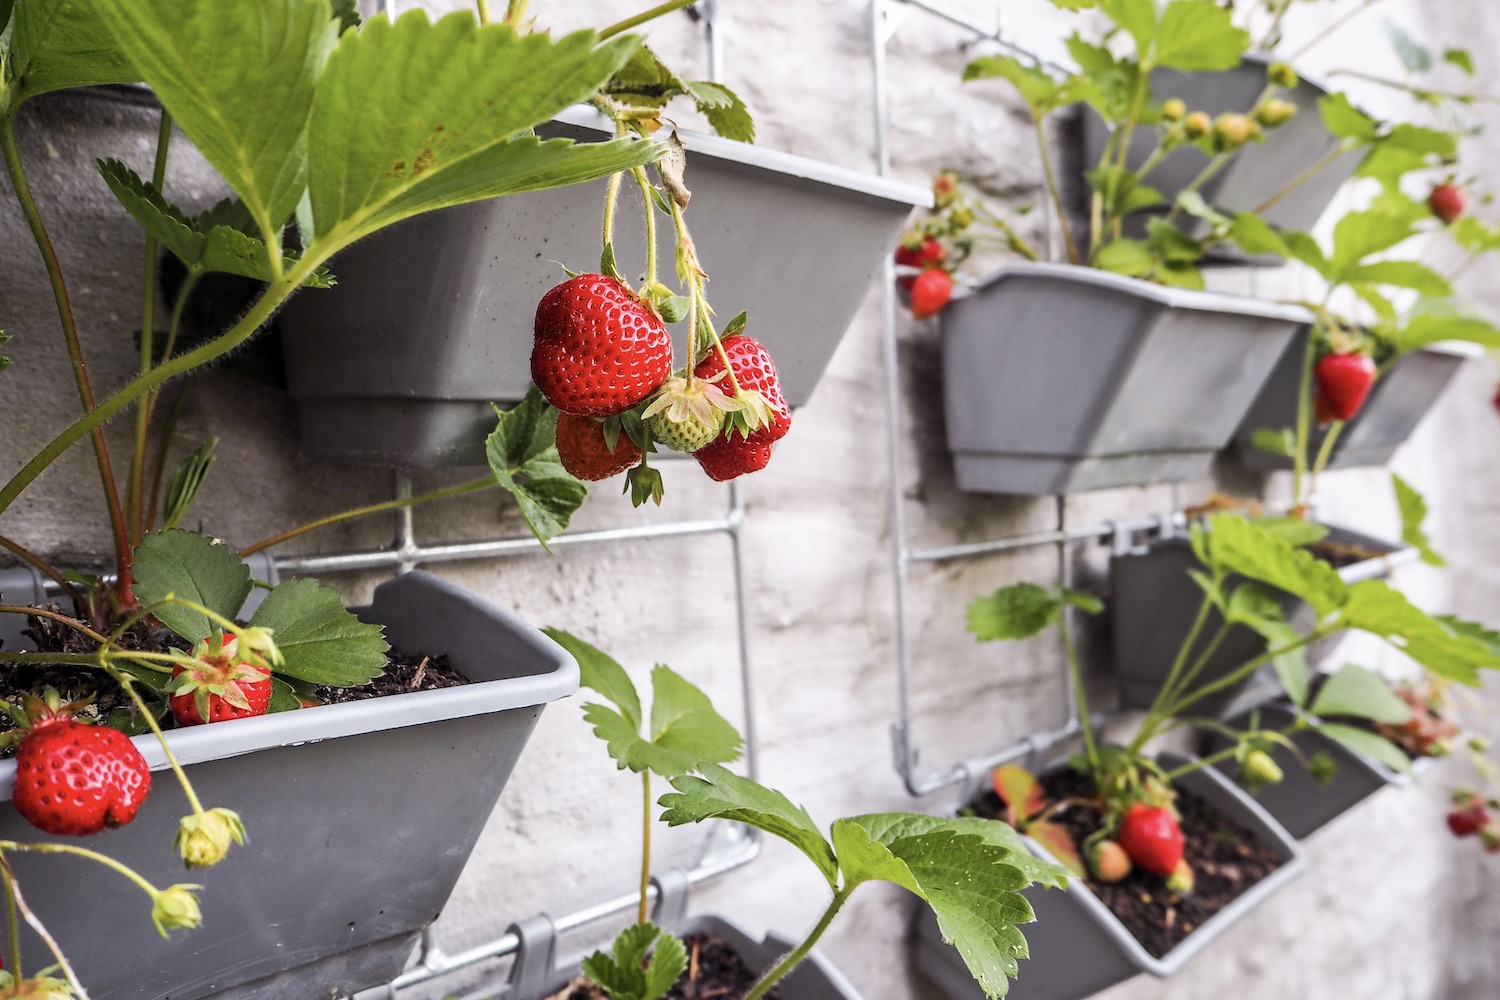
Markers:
(1108, 861)
(176, 907)
(1197, 125)
(203, 838)
(1282, 75)
(1232, 130)
(1182, 879)
(1173, 109)
(1275, 112)
(688, 413)
(1260, 768)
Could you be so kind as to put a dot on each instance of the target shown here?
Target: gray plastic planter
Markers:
(360, 817)
(1059, 378)
(431, 320)
(1153, 603)
(1396, 404)
(1254, 175)
(1299, 802)
(1078, 947)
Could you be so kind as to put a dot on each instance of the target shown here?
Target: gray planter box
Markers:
(1078, 947)
(1257, 172)
(1059, 378)
(1153, 603)
(360, 817)
(431, 320)
(1298, 802)
(1396, 405)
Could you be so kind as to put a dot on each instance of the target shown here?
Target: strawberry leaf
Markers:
(320, 641)
(1364, 742)
(1238, 545)
(194, 568)
(600, 672)
(724, 109)
(1413, 514)
(627, 973)
(522, 453)
(1059, 843)
(283, 696)
(722, 794)
(1019, 790)
(1199, 36)
(186, 482)
(1019, 611)
(1376, 608)
(57, 45)
(1361, 693)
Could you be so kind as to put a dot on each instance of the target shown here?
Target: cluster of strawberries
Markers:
(601, 352)
(1150, 838)
(1471, 816)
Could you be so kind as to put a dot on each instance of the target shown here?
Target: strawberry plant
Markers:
(969, 870)
(333, 133)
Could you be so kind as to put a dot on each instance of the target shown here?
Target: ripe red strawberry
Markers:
(1343, 380)
(931, 293)
(585, 453)
(228, 687)
(1469, 820)
(1152, 838)
(753, 369)
(731, 456)
(599, 350)
(74, 779)
(1109, 861)
(924, 254)
(1447, 202)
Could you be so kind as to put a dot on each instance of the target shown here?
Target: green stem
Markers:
(1301, 179)
(64, 303)
(1075, 671)
(1012, 238)
(13, 921)
(1209, 171)
(54, 616)
(483, 10)
(796, 955)
(378, 508)
(641, 18)
(644, 914)
(1243, 671)
(135, 484)
(1054, 191)
(45, 568)
(128, 684)
(65, 659)
(1304, 420)
(1325, 453)
(1137, 105)
(1200, 763)
(611, 196)
(83, 852)
(515, 13)
(1186, 683)
(168, 431)
(40, 929)
(167, 370)
(1167, 692)
(644, 183)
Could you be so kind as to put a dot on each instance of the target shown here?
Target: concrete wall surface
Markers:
(1391, 907)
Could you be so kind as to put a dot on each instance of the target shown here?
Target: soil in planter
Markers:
(1226, 862)
(715, 972)
(404, 672)
(1342, 554)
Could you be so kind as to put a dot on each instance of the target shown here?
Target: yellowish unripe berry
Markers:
(1173, 109)
(1197, 125)
(1282, 75)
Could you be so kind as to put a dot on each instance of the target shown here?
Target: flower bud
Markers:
(945, 189)
(1173, 109)
(176, 907)
(1275, 112)
(1479, 744)
(1259, 768)
(1282, 75)
(203, 839)
(1232, 130)
(963, 217)
(1197, 125)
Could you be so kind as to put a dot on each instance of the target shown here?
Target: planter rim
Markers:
(775, 160)
(197, 744)
(1174, 298)
(1270, 833)
(1458, 348)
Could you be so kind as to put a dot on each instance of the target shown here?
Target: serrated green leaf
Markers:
(1179, 274)
(1019, 611)
(1131, 258)
(1427, 328)
(1367, 743)
(1035, 85)
(1299, 531)
(1255, 236)
(1361, 693)
(1171, 244)
(245, 106)
(1460, 58)
(186, 481)
(283, 697)
(194, 568)
(1360, 234)
(1413, 514)
(522, 453)
(1305, 249)
(722, 794)
(890, 828)
(625, 973)
(669, 960)
(1092, 59)
(58, 45)
(1239, 545)
(1376, 608)
(685, 724)
(1137, 18)
(320, 641)
(602, 673)
(1346, 121)
(417, 116)
(1273, 441)
(724, 109)
(864, 859)
(1199, 36)
(1402, 274)
(1472, 630)
(1414, 56)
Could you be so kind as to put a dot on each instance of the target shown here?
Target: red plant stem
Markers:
(45, 568)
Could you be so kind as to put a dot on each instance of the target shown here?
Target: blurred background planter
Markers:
(1396, 405)
(431, 320)
(1257, 173)
(1153, 603)
(1059, 378)
(1078, 946)
(359, 816)
(1298, 801)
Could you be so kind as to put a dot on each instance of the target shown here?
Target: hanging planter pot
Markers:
(1300, 802)
(360, 817)
(1396, 405)
(1154, 602)
(1256, 174)
(431, 320)
(1078, 946)
(1059, 378)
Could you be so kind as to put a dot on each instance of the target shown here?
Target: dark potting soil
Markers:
(715, 972)
(1226, 861)
(1341, 554)
(404, 672)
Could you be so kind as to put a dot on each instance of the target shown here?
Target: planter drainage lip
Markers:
(582, 116)
(1164, 295)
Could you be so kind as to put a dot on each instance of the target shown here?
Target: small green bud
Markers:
(1260, 768)
(1275, 112)
(1182, 878)
(176, 907)
(1282, 75)
(203, 840)
(963, 217)
(945, 189)
(1173, 109)
(1197, 125)
(1479, 744)
(1232, 130)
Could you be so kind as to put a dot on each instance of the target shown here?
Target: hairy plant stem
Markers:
(644, 912)
(32, 212)
(1167, 692)
(1209, 171)
(1301, 179)
(135, 484)
(35, 922)
(77, 626)
(778, 971)
(1075, 671)
(1325, 453)
(12, 921)
(611, 198)
(473, 486)
(128, 683)
(1054, 191)
(644, 183)
(1133, 117)
(1014, 239)
(659, 10)
(45, 568)
(1200, 763)
(1241, 672)
(483, 10)
(1185, 684)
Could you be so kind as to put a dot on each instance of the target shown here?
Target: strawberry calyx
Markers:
(35, 713)
(687, 413)
(222, 666)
